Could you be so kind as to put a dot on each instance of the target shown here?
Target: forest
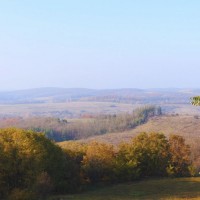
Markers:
(34, 167)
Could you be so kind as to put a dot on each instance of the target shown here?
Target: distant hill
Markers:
(76, 102)
(44, 95)
(127, 95)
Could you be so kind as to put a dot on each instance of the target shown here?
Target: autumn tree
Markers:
(146, 155)
(180, 156)
(98, 162)
(25, 156)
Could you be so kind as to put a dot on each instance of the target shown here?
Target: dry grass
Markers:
(163, 189)
(184, 125)
(65, 109)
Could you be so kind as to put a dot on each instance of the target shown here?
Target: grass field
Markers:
(184, 125)
(173, 189)
(77, 108)
(68, 109)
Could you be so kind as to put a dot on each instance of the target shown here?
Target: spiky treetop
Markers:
(195, 101)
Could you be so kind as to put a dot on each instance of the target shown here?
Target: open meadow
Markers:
(64, 110)
(168, 188)
(187, 126)
(77, 109)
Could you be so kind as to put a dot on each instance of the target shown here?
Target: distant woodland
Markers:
(62, 129)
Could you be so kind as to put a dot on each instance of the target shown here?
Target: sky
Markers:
(99, 44)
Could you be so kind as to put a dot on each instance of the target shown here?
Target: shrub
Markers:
(98, 163)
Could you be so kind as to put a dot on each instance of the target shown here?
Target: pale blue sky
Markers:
(99, 44)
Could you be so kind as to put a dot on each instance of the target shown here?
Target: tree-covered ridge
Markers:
(32, 166)
(61, 129)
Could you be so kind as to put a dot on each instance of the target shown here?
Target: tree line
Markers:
(61, 129)
(32, 166)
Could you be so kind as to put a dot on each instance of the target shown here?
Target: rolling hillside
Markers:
(187, 126)
(184, 125)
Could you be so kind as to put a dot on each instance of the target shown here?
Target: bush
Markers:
(21, 194)
(99, 162)
(43, 185)
(29, 159)
(146, 155)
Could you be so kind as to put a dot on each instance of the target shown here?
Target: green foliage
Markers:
(146, 155)
(126, 164)
(192, 170)
(195, 101)
(72, 172)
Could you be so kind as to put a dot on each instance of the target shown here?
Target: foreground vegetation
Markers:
(32, 166)
(167, 188)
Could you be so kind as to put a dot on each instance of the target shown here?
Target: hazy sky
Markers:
(99, 43)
